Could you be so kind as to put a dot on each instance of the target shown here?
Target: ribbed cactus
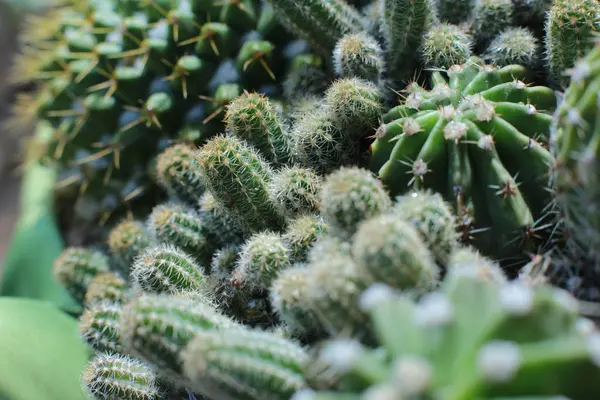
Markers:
(302, 233)
(112, 376)
(445, 45)
(127, 240)
(178, 173)
(570, 30)
(514, 46)
(157, 328)
(478, 138)
(166, 268)
(244, 364)
(473, 338)
(295, 191)
(99, 326)
(106, 286)
(120, 80)
(76, 267)
(238, 177)
(575, 139)
(350, 196)
(358, 55)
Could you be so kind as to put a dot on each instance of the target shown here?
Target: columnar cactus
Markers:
(478, 138)
(76, 267)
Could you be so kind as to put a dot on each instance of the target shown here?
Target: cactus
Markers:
(238, 177)
(514, 46)
(445, 45)
(106, 286)
(166, 268)
(575, 146)
(454, 12)
(392, 251)
(179, 174)
(477, 138)
(119, 81)
(244, 364)
(120, 376)
(509, 339)
(350, 196)
(127, 240)
(260, 259)
(251, 117)
(76, 267)
(433, 219)
(301, 234)
(99, 326)
(156, 328)
(570, 29)
(295, 191)
(358, 55)
(221, 229)
(490, 18)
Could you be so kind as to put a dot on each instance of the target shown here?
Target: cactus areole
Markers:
(478, 137)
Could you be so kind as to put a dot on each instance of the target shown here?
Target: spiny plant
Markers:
(475, 337)
(119, 81)
(575, 143)
(478, 137)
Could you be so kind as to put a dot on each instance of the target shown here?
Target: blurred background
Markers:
(12, 13)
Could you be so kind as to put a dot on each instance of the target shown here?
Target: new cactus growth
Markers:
(358, 55)
(472, 338)
(514, 46)
(445, 45)
(244, 364)
(178, 173)
(478, 138)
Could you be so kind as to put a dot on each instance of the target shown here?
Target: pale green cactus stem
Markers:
(76, 267)
(295, 191)
(302, 233)
(127, 240)
(112, 376)
(99, 326)
(179, 173)
(167, 269)
(107, 286)
(514, 45)
(244, 364)
(445, 45)
(358, 55)
(156, 328)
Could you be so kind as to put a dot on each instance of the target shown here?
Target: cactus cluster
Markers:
(299, 235)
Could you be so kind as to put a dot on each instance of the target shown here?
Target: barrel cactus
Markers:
(120, 80)
(478, 137)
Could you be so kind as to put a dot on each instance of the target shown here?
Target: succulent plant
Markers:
(121, 80)
(478, 137)
(475, 337)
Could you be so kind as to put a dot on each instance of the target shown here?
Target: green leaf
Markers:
(42, 353)
(36, 242)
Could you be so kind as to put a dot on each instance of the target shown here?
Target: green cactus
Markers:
(515, 45)
(99, 326)
(260, 259)
(167, 269)
(119, 81)
(445, 45)
(180, 226)
(179, 174)
(350, 196)
(238, 177)
(574, 144)
(472, 338)
(302, 233)
(571, 26)
(120, 376)
(320, 22)
(220, 227)
(106, 286)
(477, 138)
(127, 240)
(433, 219)
(244, 364)
(295, 191)
(490, 17)
(76, 267)
(252, 117)
(156, 328)
(358, 55)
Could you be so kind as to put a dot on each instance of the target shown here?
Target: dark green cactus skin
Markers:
(120, 80)
(477, 138)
